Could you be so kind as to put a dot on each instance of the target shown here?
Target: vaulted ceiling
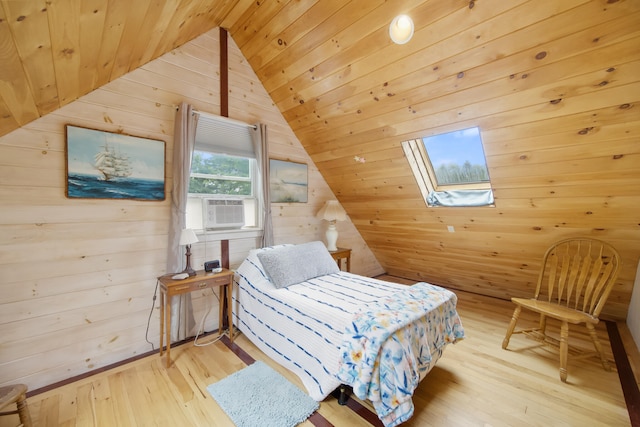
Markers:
(552, 84)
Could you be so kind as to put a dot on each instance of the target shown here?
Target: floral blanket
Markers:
(387, 348)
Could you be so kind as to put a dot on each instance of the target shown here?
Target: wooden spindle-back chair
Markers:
(574, 283)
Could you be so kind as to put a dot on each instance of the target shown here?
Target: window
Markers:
(451, 169)
(222, 192)
(213, 173)
(224, 184)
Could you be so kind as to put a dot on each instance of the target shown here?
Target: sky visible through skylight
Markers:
(455, 147)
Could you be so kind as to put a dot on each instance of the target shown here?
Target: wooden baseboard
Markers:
(108, 367)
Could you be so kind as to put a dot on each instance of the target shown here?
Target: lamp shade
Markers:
(332, 211)
(401, 29)
(187, 237)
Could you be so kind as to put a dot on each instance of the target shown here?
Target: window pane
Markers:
(219, 186)
(457, 157)
(213, 173)
(219, 164)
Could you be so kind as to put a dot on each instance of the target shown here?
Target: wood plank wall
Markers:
(77, 277)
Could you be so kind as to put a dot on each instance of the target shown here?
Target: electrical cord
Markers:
(201, 328)
(153, 304)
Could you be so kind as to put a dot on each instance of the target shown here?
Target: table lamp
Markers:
(332, 212)
(187, 237)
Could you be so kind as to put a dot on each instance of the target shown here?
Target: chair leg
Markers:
(512, 326)
(596, 343)
(564, 350)
(23, 411)
(543, 324)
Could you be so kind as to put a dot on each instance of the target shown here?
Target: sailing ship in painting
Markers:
(106, 165)
(111, 164)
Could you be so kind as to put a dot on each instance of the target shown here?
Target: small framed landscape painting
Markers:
(107, 165)
(288, 181)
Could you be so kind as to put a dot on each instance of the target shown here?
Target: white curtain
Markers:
(261, 148)
(182, 320)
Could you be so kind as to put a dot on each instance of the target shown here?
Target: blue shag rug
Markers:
(259, 396)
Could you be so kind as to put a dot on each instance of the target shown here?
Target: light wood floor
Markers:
(475, 383)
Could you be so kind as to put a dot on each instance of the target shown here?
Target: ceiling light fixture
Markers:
(401, 29)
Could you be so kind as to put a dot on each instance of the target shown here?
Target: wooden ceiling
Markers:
(552, 84)
(54, 51)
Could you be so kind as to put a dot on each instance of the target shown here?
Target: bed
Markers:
(333, 328)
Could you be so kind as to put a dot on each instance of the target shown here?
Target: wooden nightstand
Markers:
(202, 280)
(340, 254)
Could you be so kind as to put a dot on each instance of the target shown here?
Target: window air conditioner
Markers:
(223, 213)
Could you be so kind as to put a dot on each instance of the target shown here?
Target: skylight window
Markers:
(451, 169)
(457, 157)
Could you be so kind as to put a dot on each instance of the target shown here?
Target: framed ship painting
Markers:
(288, 181)
(107, 165)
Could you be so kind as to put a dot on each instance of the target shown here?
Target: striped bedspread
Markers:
(302, 326)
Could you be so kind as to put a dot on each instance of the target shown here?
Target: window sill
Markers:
(247, 233)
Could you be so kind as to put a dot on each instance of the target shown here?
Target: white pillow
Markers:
(294, 264)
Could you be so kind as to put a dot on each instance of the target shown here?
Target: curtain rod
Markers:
(226, 119)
